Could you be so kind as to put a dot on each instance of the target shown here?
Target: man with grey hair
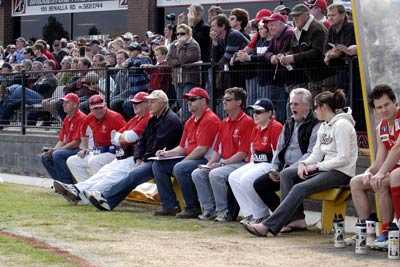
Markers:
(295, 143)
(163, 132)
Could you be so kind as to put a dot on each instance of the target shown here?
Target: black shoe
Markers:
(166, 212)
(189, 213)
(68, 191)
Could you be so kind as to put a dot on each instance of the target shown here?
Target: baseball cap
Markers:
(197, 91)
(262, 13)
(281, 8)
(276, 17)
(134, 46)
(96, 101)
(71, 97)
(299, 9)
(127, 36)
(263, 104)
(319, 3)
(157, 94)
(138, 98)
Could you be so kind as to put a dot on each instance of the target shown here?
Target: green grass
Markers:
(22, 254)
(29, 207)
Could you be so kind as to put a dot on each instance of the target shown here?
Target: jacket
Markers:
(336, 147)
(187, 53)
(201, 33)
(161, 132)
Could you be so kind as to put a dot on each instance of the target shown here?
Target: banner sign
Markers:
(48, 7)
(170, 3)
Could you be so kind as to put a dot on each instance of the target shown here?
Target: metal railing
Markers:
(37, 89)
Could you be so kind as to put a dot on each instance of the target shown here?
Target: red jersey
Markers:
(71, 128)
(234, 135)
(387, 135)
(200, 132)
(101, 129)
(137, 124)
(264, 141)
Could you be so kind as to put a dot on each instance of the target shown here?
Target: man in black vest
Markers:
(295, 143)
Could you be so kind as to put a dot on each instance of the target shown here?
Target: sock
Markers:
(395, 191)
(384, 227)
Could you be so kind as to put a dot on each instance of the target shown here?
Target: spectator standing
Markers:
(318, 9)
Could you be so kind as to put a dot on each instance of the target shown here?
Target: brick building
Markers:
(136, 16)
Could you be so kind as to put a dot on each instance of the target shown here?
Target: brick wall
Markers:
(142, 16)
(6, 24)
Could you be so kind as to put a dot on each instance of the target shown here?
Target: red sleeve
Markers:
(276, 131)
(141, 125)
(61, 134)
(84, 126)
(253, 42)
(245, 135)
(218, 139)
(209, 130)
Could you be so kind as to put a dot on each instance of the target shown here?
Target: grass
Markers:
(24, 206)
(21, 254)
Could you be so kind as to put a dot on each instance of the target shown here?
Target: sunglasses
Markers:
(258, 112)
(181, 33)
(192, 99)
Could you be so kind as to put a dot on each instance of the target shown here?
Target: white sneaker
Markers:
(97, 199)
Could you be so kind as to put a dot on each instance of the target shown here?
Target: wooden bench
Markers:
(334, 201)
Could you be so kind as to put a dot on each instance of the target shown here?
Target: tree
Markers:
(53, 30)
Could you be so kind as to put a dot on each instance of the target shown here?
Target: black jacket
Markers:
(201, 33)
(162, 132)
(304, 134)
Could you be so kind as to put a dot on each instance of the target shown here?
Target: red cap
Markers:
(262, 13)
(138, 98)
(197, 91)
(276, 17)
(96, 101)
(319, 3)
(71, 97)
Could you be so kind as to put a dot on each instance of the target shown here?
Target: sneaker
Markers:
(207, 216)
(258, 220)
(222, 218)
(97, 200)
(246, 220)
(166, 212)
(189, 213)
(68, 191)
(381, 241)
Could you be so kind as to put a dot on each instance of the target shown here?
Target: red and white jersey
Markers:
(387, 134)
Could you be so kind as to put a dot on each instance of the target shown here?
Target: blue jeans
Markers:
(182, 171)
(13, 101)
(121, 189)
(56, 165)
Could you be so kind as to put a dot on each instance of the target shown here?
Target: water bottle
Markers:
(338, 226)
(371, 231)
(361, 236)
(393, 245)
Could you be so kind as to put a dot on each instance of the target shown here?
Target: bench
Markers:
(334, 201)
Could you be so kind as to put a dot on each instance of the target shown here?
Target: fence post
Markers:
(351, 82)
(23, 104)
(108, 95)
(213, 86)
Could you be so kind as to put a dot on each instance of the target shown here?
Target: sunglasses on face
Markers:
(258, 112)
(192, 99)
(227, 99)
(181, 33)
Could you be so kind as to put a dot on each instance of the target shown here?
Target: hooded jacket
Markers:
(336, 147)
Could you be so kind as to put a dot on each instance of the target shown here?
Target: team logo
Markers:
(123, 3)
(265, 140)
(384, 137)
(326, 139)
(19, 7)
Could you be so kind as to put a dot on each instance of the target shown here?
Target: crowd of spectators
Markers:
(269, 55)
(220, 164)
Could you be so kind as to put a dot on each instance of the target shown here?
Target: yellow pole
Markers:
(364, 91)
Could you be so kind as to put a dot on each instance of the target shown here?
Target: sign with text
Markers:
(168, 3)
(49, 7)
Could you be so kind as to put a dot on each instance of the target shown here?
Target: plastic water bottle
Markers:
(338, 226)
(394, 242)
(361, 236)
(371, 231)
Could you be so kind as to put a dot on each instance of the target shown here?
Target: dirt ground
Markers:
(155, 248)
